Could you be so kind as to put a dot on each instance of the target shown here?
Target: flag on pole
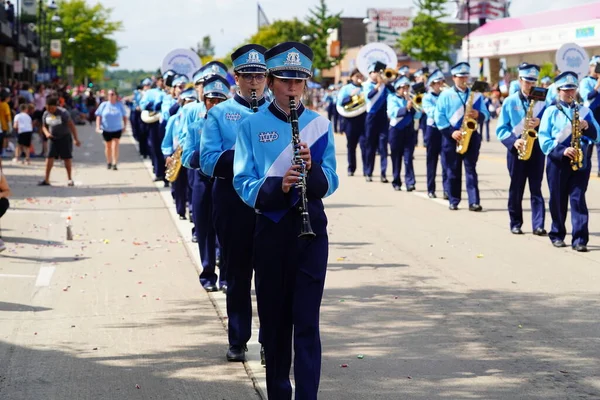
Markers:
(262, 17)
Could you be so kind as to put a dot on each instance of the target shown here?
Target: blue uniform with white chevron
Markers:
(290, 271)
(401, 136)
(449, 111)
(590, 96)
(433, 137)
(510, 127)
(564, 183)
(152, 101)
(354, 127)
(234, 220)
(376, 126)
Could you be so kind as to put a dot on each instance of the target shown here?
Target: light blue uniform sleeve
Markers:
(439, 115)
(547, 142)
(329, 164)
(514, 87)
(211, 144)
(167, 143)
(593, 124)
(429, 104)
(504, 127)
(146, 99)
(392, 106)
(246, 180)
(482, 108)
(191, 144)
(587, 87)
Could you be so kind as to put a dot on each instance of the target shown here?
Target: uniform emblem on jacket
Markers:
(293, 58)
(233, 116)
(253, 57)
(266, 137)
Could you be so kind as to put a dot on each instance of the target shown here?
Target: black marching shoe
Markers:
(540, 232)
(475, 207)
(383, 179)
(350, 173)
(210, 287)
(396, 187)
(453, 207)
(431, 195)
(582, 248)
(237, 353)
(559, 243)
(445, 196)
(410, 188)
(182, 218)
(515, 230)
(369, 178)
(159, 178)
(263, 358)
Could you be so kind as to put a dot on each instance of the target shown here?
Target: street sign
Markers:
(385, 25)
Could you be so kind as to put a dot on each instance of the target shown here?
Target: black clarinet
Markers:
(305, 230)
(253, 101)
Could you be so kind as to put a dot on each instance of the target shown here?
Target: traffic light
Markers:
(91, 85)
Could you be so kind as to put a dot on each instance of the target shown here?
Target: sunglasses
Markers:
(250, 77)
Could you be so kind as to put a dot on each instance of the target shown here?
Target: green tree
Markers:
(205, 49)
(547, 69)
(321, 23)
(279, 31)
(91, 28)
(429, 39)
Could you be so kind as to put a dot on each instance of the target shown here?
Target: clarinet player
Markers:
(290, 271)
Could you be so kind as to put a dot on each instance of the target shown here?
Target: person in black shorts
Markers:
(61, 132)
(111, 118)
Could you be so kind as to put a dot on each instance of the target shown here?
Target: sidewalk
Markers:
(118, 312)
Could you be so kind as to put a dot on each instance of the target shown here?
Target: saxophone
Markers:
(528, 135)
(174, 166)
(305, 228)
(469, 125)
(577, 161)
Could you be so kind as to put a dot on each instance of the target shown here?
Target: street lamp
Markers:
(72, 40)
(59, 29)
(55, 18)
(52, 5)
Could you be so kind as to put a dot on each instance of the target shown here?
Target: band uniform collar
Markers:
(282, 115)
(241, 100)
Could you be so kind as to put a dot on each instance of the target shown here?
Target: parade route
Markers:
(420, 302)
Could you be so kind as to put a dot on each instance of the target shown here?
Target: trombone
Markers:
(389, 75)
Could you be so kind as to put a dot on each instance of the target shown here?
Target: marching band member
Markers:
(403, 71)
(588, 88)
(448, 116)
(234, 220)
(376, 124)
(354, 127)
(290, 271)
(420, 76)
(432, 136)
(171, 141)
(144, 148)
(402, 114)
(514, 87)
(511, 124)
(546, 82)
(152, 101)
(564, 182)
(215, 90)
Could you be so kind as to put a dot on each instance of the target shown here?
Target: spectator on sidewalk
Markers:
(111, 119)
(39, 99)
(24, 127)
(5, 117)
(61, 131)
(4, 204)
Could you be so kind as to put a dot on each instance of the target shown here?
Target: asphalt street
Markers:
(420, 302)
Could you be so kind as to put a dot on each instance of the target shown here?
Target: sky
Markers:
(152, 28)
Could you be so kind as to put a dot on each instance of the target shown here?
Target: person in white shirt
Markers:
(24, 127)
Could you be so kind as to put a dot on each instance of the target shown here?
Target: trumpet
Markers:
(417, 100)
(389, 75)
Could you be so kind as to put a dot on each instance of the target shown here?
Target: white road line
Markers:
(44, 276)
(425, 196)
(16, 276)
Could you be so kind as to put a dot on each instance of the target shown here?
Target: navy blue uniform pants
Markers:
(133, 121)
(376, 138)
(402, 146)
(290, 276)
(433, 138)
(155, 136)
(234, 222)
(355, 129)
(521, 172)
(143, 139)
(180, 191)
(455, 162)
(568, 185)
(207, 239)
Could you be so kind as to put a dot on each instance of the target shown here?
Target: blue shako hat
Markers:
(529, 72)
(435, 76)
(146, 82)
(180, 80)
(402, 81)
(189, 94)
(291, 60)
(249, 58)
(567, 80)
(461, 69)
(214, 68)
(403, 70)
(215, 86)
